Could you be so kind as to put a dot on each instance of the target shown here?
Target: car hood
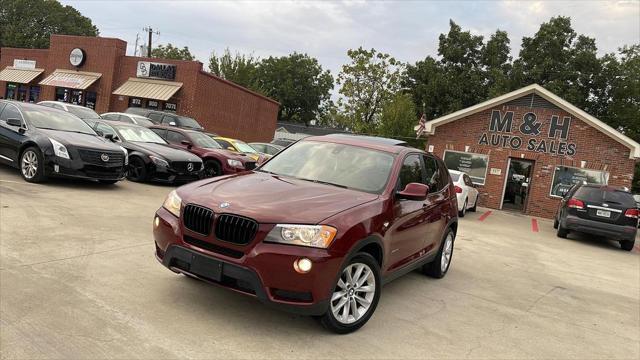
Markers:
(80, 140)
(161, 150)
(229, 154)
(273, 199)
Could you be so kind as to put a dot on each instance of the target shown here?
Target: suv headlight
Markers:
(126, 155)
(59, 149)
(158, 161)
(172, 203)
(319, 236)
(235, 163)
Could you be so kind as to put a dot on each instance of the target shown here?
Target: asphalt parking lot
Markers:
(78, 279)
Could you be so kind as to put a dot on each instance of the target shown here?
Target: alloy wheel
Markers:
(29, 164)
(447, 251)
(354, 293)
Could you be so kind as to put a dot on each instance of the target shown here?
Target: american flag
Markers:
(421, 126)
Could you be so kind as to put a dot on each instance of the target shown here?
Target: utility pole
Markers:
(135, 49)
(150, 31)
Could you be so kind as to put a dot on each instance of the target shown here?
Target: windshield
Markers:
(189, 122)
(243, 147)
(342, 165)
(139, 134)
(143, 121)
(83, 112)
(45, 118)
(202, 140)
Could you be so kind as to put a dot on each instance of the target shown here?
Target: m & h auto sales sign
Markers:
(531, 135)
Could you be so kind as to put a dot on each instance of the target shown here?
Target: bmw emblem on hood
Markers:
(224, 205)
(190, 167)
(104, 157)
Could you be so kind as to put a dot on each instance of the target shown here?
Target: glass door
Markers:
(517, 185)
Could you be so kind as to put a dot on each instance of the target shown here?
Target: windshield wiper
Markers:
(324, 183)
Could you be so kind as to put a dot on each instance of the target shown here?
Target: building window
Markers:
(152, 104)
(34, 94)
(11, 91)
(90, 100)
(474, 165)
(565, 177)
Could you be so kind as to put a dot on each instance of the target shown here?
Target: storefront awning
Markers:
(148, 89)
(71, 79)
(21, 76)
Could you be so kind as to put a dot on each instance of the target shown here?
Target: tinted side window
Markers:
(411, 171)
(105, 129)
(224, 144)
(175, 137)
(271, 150)
(2, 104)
(167, 120)
(125, 118)
(259, 147)
(10, 112)
(432, 174)
(443, 175)
(155, 117)
(161, 132)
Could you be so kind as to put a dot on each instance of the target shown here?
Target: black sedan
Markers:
(150, 158)
(44, 142)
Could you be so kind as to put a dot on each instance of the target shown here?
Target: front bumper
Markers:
(171, 176)
(59, 167)
(263, 270)
(610, 231)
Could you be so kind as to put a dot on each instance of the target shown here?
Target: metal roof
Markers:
(149, 89)
(71, 79)
(21, 76)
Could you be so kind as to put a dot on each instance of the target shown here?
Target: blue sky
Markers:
(408, 30)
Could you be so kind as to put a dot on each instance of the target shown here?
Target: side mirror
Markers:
(187, 143)
(414, 191)
(111, 137)
(14, 122)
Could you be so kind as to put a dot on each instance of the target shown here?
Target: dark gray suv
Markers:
(166, 118)
(601, 210)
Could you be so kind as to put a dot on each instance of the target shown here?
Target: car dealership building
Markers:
(95, 72)
(525, 149)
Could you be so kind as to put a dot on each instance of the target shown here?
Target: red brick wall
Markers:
(600, 152)
(220, 106)
(233, 111)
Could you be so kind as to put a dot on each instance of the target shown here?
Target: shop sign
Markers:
(77, 57)
(531, 135)
(170, 106)
(495, 171)
(148, 69)
(61, 80)
(24, 64)
(474, 165)
(135, 102)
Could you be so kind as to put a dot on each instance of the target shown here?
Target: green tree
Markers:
(30, 23)
(238, 68)
(370, 80)
(298, 82)
(496, 60)
(172, 52)
(398, 117)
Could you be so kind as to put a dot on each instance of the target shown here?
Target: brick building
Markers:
(95, 72)
(525, 149)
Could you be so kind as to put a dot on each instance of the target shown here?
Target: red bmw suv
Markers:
(318, 228)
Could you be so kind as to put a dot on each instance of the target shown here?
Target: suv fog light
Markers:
(56, 168)
(302, 265)
(156, 221)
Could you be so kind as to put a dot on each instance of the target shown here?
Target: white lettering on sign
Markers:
(24, 64)
(148, 69)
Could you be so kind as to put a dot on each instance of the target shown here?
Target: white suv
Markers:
(77, 110)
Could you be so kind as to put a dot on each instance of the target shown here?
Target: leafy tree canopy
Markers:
(238, 68)
(30, 23)
(172, 52)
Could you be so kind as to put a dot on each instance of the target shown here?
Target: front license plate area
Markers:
(208, 268)
(603, 213)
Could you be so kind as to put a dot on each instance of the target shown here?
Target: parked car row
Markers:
(146, 150)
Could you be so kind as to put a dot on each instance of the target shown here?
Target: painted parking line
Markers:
(534, 225)
(485, 215)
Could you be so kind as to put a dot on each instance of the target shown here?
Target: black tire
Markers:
(434, 268)
(32, 156)
(555, 223)
(562, 232)
(627, 244)
(212, 168)
(329, 320)
(475, 205)
(137, 169)
(462, 212)
(108, 182)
